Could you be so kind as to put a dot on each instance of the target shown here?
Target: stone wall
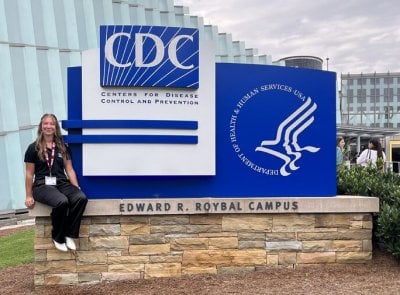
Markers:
(139, 247)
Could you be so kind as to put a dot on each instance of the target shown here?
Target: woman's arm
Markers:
(362, 159)
(29, 173)
(69, 169)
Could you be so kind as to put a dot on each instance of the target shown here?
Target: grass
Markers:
(17, 248)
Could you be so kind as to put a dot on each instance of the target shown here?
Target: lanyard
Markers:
(51, 160)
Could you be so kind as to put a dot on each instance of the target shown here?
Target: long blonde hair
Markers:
(58, 139)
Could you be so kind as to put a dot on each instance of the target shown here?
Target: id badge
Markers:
(49, 180)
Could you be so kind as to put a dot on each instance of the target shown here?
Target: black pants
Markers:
(68, 203)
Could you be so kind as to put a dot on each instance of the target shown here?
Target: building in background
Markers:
(369, 107)
(303, 61)
(40, 39)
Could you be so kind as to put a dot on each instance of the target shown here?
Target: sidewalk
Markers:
(15, 219)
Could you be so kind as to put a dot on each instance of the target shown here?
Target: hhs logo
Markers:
(148, 56)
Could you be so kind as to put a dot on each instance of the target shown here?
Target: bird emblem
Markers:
(287, 137)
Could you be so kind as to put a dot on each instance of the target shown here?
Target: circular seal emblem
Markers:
(269, 129)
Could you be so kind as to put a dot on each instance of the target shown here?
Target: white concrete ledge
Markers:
(338, 204)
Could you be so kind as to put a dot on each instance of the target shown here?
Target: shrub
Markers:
(370, 181)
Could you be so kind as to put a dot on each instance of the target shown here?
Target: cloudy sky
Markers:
(356, 35)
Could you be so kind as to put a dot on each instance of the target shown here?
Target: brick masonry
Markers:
(119, 247)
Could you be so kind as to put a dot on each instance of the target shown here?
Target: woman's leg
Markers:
(51, 196)
(77, 204)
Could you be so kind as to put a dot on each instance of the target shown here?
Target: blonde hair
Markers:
(58, 139)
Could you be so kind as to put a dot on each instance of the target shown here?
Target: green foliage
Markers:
(389, 229)
(17, 249)
(370, 181)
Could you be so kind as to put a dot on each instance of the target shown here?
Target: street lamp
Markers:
(327, 63)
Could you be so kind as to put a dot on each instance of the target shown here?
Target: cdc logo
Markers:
(149, 56)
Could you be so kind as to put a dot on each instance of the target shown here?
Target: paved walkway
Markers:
(20, 223)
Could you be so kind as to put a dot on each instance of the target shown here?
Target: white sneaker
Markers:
(70, 243)
(60, 246)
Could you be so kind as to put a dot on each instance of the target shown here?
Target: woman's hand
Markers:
(29, 202)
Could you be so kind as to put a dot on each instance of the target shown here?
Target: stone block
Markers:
(128, 259)
(169, 229)
(206, 219)
(235, 269)
(127, 267)
(108, 243)
(134, 219)
(104, 230)
(354, 257)
(367, 224)
(293, 222)
(318, 246)
(362, 217)
(39, 231)
(169, 220)
(316, 257)
(287, 258)
(53, 254)
(105, 219)
(247, 257)
(205, 258)
(367, 246)
(347, 245)
(332, 220)
(40, 255)
(278, 237)
(135, 229)
(84, 244)
(284, 245)
(89, 277)
(95, 257)
(160, 270)
(340, 234)
(61, 279)
(155, 249)
(188, 244)
(223, 243)
(147, 239)
(166, 258)
(84, 230)
(272, 259)
(43, 243)
(91, 268)
(62, 266)
(356, 224)
(243, 236)
(257, 244)
(246, 223)
(204, 228)
(217, 235)
(199, 270)
(118, 276)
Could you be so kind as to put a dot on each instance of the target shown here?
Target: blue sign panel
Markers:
(275, 137)
(149, 56)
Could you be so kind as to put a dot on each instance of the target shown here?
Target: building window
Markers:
(361, 81)
(388, 80)
(350, 82)
(388, 94)
(361, 96)
(388, 125)
(361, 109)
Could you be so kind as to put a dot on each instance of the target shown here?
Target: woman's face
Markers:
(341, 143)
(370, 145)
(48, 125)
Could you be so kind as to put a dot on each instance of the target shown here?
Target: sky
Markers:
(358, 36)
